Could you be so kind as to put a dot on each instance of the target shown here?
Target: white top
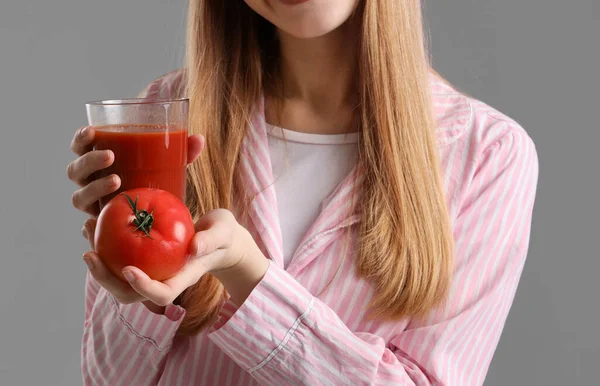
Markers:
(307, 168)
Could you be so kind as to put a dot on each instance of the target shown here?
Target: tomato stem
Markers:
(143, 220)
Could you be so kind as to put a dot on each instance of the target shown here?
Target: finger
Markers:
(83, 140)
(89, 231)
(82, 168)
(118, 288)
(215, 230)
(195, 146)
(162, 293)
(86, 198)
(211, 262)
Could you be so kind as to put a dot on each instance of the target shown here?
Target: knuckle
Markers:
(70, 170)
(90, 223)
(73, 146)
(76, 139)
(76, 199)
(224, 215)
(76, 167)
(79, 133)
(83, 161)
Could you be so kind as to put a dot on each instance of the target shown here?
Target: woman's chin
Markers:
(307, 30)
(305, 19)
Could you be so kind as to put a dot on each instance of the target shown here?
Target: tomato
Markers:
(150, 229)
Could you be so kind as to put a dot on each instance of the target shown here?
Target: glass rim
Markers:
(135, 101)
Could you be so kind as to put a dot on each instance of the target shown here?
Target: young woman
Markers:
(359, 220)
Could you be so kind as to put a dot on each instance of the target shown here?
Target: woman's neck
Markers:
(318, 79)
(320, 70)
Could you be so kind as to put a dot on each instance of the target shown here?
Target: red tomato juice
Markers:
(146, 156)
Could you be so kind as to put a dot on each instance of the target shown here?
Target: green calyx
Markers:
(143, 219)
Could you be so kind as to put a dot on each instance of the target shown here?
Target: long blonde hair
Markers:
(406, 248)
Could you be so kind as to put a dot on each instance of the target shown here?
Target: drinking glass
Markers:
(148, 139)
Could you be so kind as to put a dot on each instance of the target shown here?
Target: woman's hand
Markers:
(81, 172)
(122, 291)
(89, 161)
(221, 247)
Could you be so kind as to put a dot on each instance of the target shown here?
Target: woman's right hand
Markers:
(81, 170)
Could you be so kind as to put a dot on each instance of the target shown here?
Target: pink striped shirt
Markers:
(290, 332)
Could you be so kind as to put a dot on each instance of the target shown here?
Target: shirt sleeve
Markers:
(282, 334)
(124, 344)
(167, 86)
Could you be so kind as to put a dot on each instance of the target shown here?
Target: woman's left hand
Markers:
(221, 247)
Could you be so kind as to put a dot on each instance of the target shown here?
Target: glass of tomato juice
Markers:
(148, 139)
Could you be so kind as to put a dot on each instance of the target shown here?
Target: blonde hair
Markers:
(406, 247)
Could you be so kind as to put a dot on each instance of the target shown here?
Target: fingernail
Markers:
(84, 131)
(88, 261)
(128, 276)
(84, 232)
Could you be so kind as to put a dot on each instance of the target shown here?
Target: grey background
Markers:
(535, 60)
